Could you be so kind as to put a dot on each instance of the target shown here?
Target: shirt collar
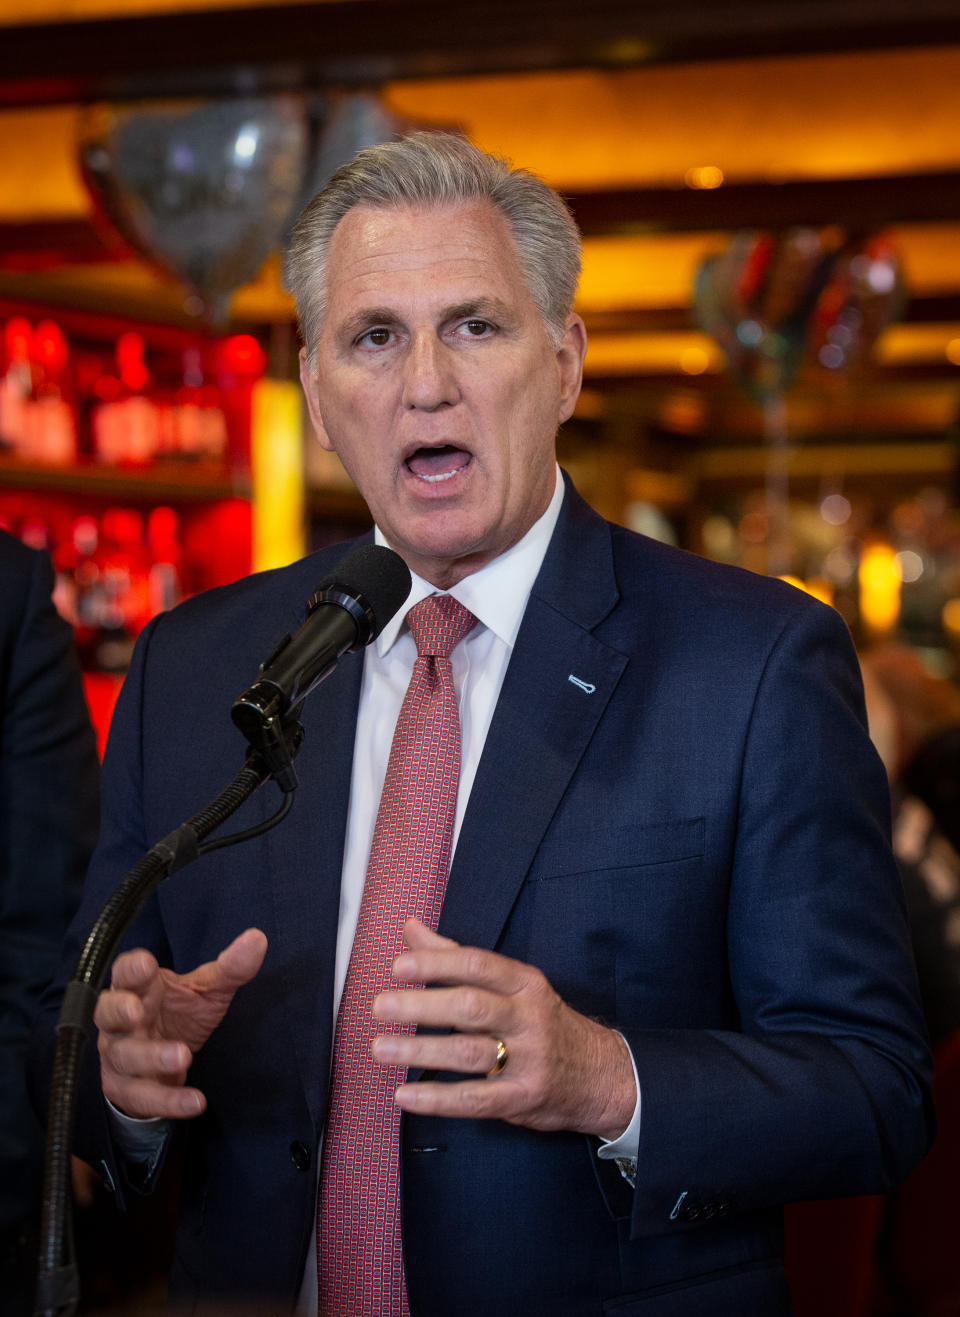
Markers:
(496, 594)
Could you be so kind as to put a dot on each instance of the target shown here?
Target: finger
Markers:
(145, 1099)
(136, 1058)
(134, 971)
(418, 936)
(468, 965)
(236, 964)
(476, 1099)
(471, 1010)
(119, 1012)
(138, 977)
(468, 1054)
(241, 960)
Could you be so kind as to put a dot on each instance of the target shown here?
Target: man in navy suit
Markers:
(672, 909)
(48, 826)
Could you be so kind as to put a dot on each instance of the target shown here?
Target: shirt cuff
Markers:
(141, 1142)
(623, 1149)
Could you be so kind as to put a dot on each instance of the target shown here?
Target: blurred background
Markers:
(770, 196)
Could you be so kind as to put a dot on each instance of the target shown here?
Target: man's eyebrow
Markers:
(479, 307)
(366, 318)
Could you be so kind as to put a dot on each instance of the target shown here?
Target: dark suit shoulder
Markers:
(16, 558)
(598, 573)
(18, 567)
(31, 629)
(262, 604)
(676, 579)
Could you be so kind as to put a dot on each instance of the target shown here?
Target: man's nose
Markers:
(429, 380)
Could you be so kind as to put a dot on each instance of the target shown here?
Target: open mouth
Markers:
(437, 464)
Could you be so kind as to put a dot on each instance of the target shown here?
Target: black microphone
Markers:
(348, 610)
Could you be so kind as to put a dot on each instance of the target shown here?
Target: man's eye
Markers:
(476, 328)
(378, 338)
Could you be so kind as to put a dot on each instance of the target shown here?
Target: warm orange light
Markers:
(642, 270)
(784, 116)
(821, 589)
(905, 345)
(817, 586)
(951, 617)
(68, 11)
(276, 474)
(704, 177)
(650, 354)
(879, 580)
(694, 361)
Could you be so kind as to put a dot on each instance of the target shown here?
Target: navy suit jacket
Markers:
(678, 817)
(48, 827)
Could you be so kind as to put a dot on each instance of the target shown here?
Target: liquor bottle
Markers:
(52, 425)
(125, 425)
(125, 565)
(164, 545)
(200, 426)
(83, 569)
(16, 384)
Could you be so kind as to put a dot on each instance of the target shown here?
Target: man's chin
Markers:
(445, 558)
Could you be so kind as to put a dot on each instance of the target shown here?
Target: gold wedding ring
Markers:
(501, 1060)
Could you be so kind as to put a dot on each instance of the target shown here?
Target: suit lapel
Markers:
(558, 683)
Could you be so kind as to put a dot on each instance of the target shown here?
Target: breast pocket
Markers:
(600, 851)
(600, 907)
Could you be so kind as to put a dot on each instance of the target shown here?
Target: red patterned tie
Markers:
(359, 1261)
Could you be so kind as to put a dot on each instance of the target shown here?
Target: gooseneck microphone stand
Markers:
(274, 742)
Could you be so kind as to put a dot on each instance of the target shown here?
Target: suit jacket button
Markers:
(300, 1155)
(709, 1211)
(724, 1209)
(691, 1212)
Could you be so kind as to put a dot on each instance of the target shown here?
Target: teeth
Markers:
(445, 475)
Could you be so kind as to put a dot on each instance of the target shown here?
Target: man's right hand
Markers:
(152, 1022)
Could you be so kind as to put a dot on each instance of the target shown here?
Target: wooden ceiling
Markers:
(819, 112)
(140, 48)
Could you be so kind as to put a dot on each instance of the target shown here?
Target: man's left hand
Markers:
(563, 1071)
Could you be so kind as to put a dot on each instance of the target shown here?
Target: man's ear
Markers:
(311, 391)
(570, 356)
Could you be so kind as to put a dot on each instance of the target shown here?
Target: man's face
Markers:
(437, 384)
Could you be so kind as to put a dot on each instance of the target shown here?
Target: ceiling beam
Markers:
(51, 244)
(680, 319)
(865, 373)
(314, 46)
(859, 204)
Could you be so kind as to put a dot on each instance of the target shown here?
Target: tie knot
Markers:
(438, 624)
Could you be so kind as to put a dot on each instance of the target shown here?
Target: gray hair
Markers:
(429, 169)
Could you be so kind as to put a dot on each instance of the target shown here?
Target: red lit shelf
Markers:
(166, 481)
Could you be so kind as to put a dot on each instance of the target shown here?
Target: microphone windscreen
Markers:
(377, 574)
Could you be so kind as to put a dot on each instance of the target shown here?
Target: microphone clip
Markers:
(273, 738)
